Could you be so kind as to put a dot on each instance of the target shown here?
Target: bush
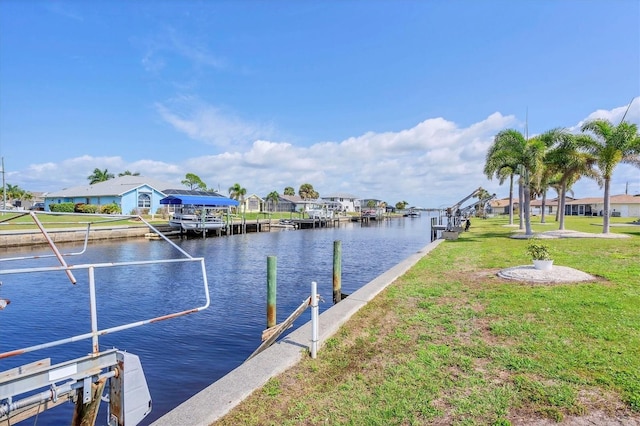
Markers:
(62, 207)
(85, 208)
(112, 208)
(539, 251)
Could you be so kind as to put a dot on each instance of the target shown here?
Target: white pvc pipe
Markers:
(314, 319)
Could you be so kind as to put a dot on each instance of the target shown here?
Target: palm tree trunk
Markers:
(527, 214)
(511, 199)
(561, 206)
(521, 203)
(544, 202)
(607, 203)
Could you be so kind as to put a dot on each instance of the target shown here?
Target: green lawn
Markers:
(452, 343)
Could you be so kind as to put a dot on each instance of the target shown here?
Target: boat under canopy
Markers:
(199, 200)
(198, 212)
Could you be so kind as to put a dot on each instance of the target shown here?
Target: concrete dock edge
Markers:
(222, 396)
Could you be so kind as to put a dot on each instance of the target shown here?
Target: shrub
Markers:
(539, 251)
(62, 207)
(85, 208)
(112, 208)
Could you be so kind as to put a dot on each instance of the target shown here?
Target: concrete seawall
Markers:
(31, 237)
(219, 398)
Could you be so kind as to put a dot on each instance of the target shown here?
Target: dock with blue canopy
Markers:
(199, 212)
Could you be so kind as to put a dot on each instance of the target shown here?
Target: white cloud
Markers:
(206, 123)
(432, 164)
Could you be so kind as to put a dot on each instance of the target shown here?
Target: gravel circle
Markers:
(557, 274)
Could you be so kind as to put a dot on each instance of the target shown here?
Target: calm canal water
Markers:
(184, 355)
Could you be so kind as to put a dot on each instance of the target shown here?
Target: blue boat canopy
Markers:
(199, 200)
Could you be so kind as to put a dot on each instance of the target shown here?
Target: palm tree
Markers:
(289, 191)
(273, 199)
(547, 171)
(568, 162)
(612, 145)
(128, 173)
(99, 176)
(496, 165)
(511, 149)
(306, 191)
(237, 192)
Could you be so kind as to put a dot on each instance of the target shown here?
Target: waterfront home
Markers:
(622, 205)
(251, 204)
(343, 202)
(134, 194)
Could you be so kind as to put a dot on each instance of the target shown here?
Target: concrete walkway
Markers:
(219, 398)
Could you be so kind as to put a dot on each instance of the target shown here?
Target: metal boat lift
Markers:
(456, 213)
(27, 390)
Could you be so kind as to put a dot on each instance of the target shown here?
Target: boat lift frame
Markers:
(126, 403)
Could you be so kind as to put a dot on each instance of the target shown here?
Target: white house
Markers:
(621, 205)
(343, 201)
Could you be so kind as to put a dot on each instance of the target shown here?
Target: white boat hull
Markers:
(189, 222)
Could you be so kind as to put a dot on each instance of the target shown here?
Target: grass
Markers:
(451, 343)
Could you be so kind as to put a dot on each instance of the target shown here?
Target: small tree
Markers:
(289, 191)
(194, 182)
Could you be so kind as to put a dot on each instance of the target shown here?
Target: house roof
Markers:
(614, 199)
(297, 200)
(499, 203)
(199, 200)
(116, 186)
(341, 195)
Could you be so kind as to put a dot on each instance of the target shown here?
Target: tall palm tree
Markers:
(306, 191)
(612, 145)
(568, 160)
(499, 165)
(99, 176)
(289, 191)
(511, 149)
(237, 192)
(548, 169)
(273, 199)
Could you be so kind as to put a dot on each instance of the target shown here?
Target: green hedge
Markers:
(62, 207)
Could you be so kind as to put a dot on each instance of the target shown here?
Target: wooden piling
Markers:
(85, 414)
(271, 291)
(337, 271)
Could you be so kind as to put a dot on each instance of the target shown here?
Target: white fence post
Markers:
(314, 319)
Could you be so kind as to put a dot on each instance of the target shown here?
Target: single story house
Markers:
(251, 204)
(134, 194)
(622, 205)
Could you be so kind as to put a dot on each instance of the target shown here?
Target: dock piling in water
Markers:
(337, 271)
(271, 291)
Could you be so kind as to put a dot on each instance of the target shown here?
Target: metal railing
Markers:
(95, 332)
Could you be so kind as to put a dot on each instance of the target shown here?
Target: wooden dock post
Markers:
(271, 291)
(85, 414)
(337, 271)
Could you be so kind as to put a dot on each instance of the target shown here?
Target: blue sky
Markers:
(397, 100)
